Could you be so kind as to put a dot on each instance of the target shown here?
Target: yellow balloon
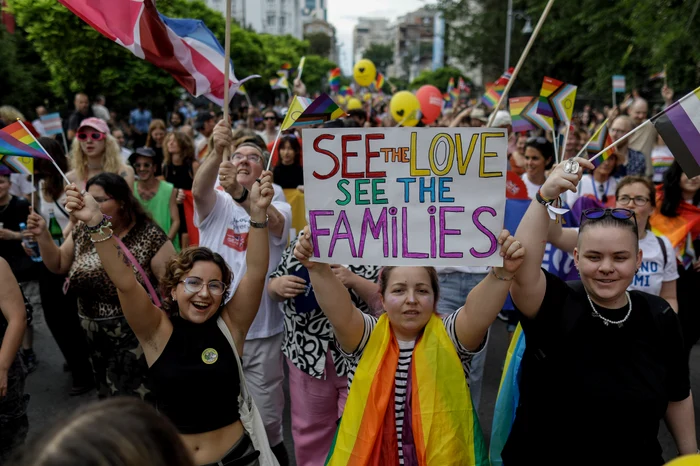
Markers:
(354, 103)
(405, 108)
(341, 100)
(687, 460)
(367, 97)
(364, 72)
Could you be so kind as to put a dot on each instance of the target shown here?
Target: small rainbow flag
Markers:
(346, 91)
(563, 101)
(304, 111)
(281, 82)
(495, 90)
(379, 82)
(286, 66)
(10, 146)
(659, 75)
(549, 86)
(19, 148)
(518, 105)
(334, 79)
(541, 121)
(600, 140)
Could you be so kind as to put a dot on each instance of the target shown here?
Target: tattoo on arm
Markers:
(123, 174)
(122, 256)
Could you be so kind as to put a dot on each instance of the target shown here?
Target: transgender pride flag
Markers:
(185, 48)
(679, 126)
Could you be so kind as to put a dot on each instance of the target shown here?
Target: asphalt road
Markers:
(49, 386)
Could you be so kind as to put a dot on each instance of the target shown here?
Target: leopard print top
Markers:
(97, 295)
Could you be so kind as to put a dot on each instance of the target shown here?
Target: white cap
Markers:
(502, 119)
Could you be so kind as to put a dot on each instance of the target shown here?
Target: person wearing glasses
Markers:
(270, 119)
(115, 353)
(603, 365)
(539, 157)
(96, 151)
(223, 217)
(629, 161)
(158, 197)
(600, 185)
(658, 273)
(192, 364)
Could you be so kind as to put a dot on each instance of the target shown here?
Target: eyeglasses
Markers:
(598, 212)
(143, 165)
(638, 200)
(254, 158)
(270, 118)
(195, 285)
(94, 136)
(102, 200)
(618, 131)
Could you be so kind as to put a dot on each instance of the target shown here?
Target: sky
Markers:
(343, 15)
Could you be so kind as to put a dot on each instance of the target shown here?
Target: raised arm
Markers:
(486, 300)
(57, 260)
(143, 317)
(334, 300)
(367, 290)
(205, 178)
(529, 284)
(562, 238)
(243, 307)
(12, 308)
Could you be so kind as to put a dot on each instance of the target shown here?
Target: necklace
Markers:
(4, 208)
(608, 321)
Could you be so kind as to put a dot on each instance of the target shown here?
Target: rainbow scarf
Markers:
(680, 230)
(444, 425)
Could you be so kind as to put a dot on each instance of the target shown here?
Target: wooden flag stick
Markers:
(227, 59)
(521, 60)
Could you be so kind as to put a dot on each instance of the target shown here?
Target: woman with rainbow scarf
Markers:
(409, 402)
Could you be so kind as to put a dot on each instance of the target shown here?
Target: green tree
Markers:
(439, 78)
(382, 55)
(319, 44)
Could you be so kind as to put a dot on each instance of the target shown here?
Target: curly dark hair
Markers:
(181, 264)
(673, 194)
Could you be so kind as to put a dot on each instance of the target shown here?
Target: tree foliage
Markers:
(439, 78)
(319, 44)
(382, 55)
(583, 44)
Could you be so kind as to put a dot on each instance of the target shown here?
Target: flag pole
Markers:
(521, 60)
(65, 141)
(678, 102)
(227, 58)
(665, 77)
(44, 150)
(274, 146)
(585, 146)
(566, 138)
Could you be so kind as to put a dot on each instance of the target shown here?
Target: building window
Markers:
(270, 19)
(282, 23)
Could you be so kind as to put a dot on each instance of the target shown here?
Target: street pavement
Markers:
(49, 386)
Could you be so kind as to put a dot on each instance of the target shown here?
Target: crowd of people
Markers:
(180, 265)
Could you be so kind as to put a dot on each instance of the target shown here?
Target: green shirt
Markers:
(159, 208)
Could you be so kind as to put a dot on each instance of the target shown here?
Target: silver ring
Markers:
(571, 166)
(222, 177)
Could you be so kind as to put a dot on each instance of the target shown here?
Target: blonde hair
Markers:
(155, 124)
(10, 114)
(111, 158)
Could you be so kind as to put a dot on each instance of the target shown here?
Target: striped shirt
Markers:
(405, 353)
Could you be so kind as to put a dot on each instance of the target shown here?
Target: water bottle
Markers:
(55, 229)
(30, 244)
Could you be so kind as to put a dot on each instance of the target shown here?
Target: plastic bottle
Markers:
(30, 244)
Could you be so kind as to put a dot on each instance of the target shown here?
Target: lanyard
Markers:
(595, 191)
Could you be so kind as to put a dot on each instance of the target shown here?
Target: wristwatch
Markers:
(243, 197)
(258, 224)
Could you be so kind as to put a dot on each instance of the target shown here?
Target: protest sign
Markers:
(406, 196)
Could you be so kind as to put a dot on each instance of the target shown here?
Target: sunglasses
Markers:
(537, 140)
(143, 165)
(270, 118)
(598, 212)
(195, 285)
(95, 136)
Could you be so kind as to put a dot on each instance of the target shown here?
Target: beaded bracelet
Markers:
(103, 239)
(104, 223)
(503, 279)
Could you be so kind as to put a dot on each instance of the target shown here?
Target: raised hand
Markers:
(667, 94)
(83, 207)
(343, 274)
(262, 192)
(304, 249)
(559, 181)
(223, 139)
(513, 254)
(228, 174)
(36, 224)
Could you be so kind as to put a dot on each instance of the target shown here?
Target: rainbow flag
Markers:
(282, 82)
(549, 86)
(563, 101)
(334, 79)
(20, 161)
(659, 75)
(599, 141)
(679, 126)
(679, 230)
(518, 105)
(304, 111)
(541, 121)
(445, 427)
(11, 147)
(345, 91)
(462, 86)
(379, 82)
(495, 90)
(508, 397)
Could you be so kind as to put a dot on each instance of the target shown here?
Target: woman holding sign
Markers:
(402, 363)
(603, 365)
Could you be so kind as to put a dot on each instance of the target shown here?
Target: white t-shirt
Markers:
(58, 208)
(652, 274)
(588, 187)
(661, 159)
(532, 188)
(21, 185)
(225, 230)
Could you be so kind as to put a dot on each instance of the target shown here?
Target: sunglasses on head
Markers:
(95, 136)
(598, 212)
(537, 140)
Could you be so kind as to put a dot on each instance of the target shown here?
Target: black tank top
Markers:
(179, 175)
(195, 379)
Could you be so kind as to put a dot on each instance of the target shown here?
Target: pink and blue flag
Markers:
(185, 48)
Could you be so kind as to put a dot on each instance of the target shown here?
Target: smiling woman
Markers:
(601, 361)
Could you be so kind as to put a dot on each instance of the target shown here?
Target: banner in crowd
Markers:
(406, 196)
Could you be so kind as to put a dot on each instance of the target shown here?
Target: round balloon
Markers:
(405, 108)
(431, 100)
(341, 100)
(364, 72)
(354, 103)
(687, 460)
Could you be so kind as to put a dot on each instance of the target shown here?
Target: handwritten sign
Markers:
(406, 196)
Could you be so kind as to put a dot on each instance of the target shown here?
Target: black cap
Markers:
(141, 152)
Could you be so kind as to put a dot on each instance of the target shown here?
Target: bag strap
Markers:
(139, 269)
(663, 250)
(63, 211)
(245, 395)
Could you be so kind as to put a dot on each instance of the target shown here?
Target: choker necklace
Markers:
(608, 321)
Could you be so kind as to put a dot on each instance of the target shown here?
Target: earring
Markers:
(635, 272)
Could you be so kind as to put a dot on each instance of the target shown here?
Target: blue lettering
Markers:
(423, 189)
(645, 267)
(654, 267)
(639, 281)
(406, 182)
(442, 189)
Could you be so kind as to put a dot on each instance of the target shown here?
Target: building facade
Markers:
(370, 31)
(319, 26)
(277, 17)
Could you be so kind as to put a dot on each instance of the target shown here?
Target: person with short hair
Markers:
(539, 157)
(140, 120)
(100, 110)
(205, 126)
(82, 111)
(270, 121)
(629, 161)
